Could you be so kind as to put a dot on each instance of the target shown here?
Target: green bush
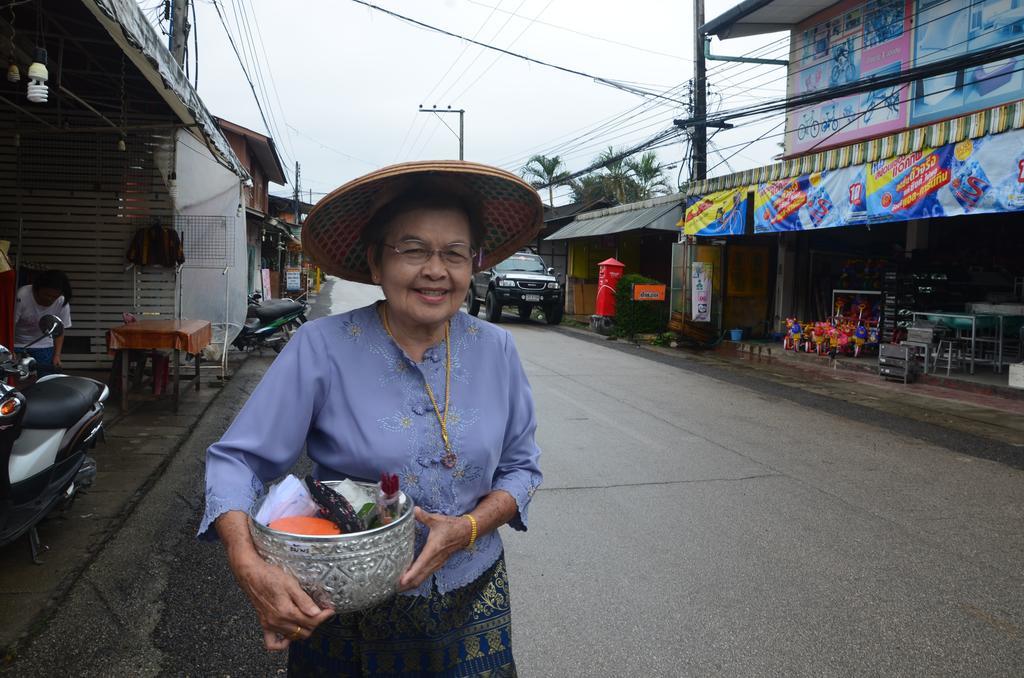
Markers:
(637, 317)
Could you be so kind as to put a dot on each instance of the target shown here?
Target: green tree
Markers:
(549, 171)
(616, 176)
(648, 176)
(589, 188)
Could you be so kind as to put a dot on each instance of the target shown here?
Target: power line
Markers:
(270, 71)
(498, 57)
(587, 131)
(231, 40)
(581, 33)
(480, 53)
(331, 148)
(426, 99)
(1004, 51)
(846, 124)
(245, 34)
(603, 81)
(901, 19)
(621, 155)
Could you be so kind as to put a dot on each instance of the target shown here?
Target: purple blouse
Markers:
(344, 390)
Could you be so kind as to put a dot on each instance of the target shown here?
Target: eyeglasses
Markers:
(415, 253)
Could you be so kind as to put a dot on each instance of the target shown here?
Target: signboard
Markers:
(969, 177)
(855, 40)
(293, 279)
(700, 291)
(850, 41)
(717, 214)
(265, 283)
(643, 292)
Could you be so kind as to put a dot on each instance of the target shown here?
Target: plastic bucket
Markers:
(736, 335)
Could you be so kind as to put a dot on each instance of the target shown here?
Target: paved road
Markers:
(687, 527)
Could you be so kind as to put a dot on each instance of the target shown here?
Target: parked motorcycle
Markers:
(269, 324)
(46, 430)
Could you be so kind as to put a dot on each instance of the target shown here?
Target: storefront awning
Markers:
(127, 25)
(660, 217)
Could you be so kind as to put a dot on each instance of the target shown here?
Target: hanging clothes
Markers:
(156, 245)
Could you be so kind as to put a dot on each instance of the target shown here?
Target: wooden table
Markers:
(191, 336)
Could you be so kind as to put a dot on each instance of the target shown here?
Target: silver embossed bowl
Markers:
(350, 571)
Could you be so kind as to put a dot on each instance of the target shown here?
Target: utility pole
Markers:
(700, 103)
(462, 115)
(179, 30)
(295, 201)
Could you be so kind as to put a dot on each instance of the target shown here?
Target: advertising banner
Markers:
(700, 291)
(972, 176)
(811, 201)
(721, 213)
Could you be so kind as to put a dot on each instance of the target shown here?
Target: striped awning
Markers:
(990, 121)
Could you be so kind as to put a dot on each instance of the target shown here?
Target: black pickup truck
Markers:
(522, 281)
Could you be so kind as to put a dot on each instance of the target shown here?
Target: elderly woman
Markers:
(410, 386)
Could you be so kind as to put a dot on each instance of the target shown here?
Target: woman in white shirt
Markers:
(50, 292)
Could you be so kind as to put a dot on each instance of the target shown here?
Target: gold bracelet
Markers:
(473, 533)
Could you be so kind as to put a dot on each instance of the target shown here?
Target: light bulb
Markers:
(13, 73)
(121, 146)
(37, 77)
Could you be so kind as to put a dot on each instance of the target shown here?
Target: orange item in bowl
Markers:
(304, 525)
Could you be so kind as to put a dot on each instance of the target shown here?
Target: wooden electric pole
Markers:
(179, 30)
(462, 127)
(700, 103)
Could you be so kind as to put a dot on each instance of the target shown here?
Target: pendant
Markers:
(449, 459)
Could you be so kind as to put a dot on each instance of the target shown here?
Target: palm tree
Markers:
(648, 175)
(616, 175)
(546, 171)
(589, 188)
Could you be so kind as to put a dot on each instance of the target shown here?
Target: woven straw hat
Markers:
(510, 209)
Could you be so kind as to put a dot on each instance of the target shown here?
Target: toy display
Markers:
(851, 330)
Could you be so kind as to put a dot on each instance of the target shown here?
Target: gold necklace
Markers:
(449, 457)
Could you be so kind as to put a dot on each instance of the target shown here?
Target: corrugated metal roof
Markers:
(129, 28)
(664, 217)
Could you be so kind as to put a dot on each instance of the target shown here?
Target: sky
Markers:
(341, 83)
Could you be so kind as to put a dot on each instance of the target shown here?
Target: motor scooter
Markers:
(46, 430)
(269, 324)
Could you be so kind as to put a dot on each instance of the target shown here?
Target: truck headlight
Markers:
(506, 283)
(553, 286)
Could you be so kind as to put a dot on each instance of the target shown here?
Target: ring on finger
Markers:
(296, 634)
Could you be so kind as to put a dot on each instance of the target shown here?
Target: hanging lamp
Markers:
(37, 77)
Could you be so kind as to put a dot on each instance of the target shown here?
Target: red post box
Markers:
(608, 273)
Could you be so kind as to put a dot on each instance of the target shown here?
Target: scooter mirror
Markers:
(51, 325)
(5, 354)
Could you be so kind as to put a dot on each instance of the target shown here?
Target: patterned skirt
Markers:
(465, 632)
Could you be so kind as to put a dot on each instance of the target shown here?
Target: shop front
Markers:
(640, 235)
(121, 179)
(928, 238)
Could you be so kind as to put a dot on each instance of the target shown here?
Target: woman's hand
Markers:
(447, 535)
(285, 611)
